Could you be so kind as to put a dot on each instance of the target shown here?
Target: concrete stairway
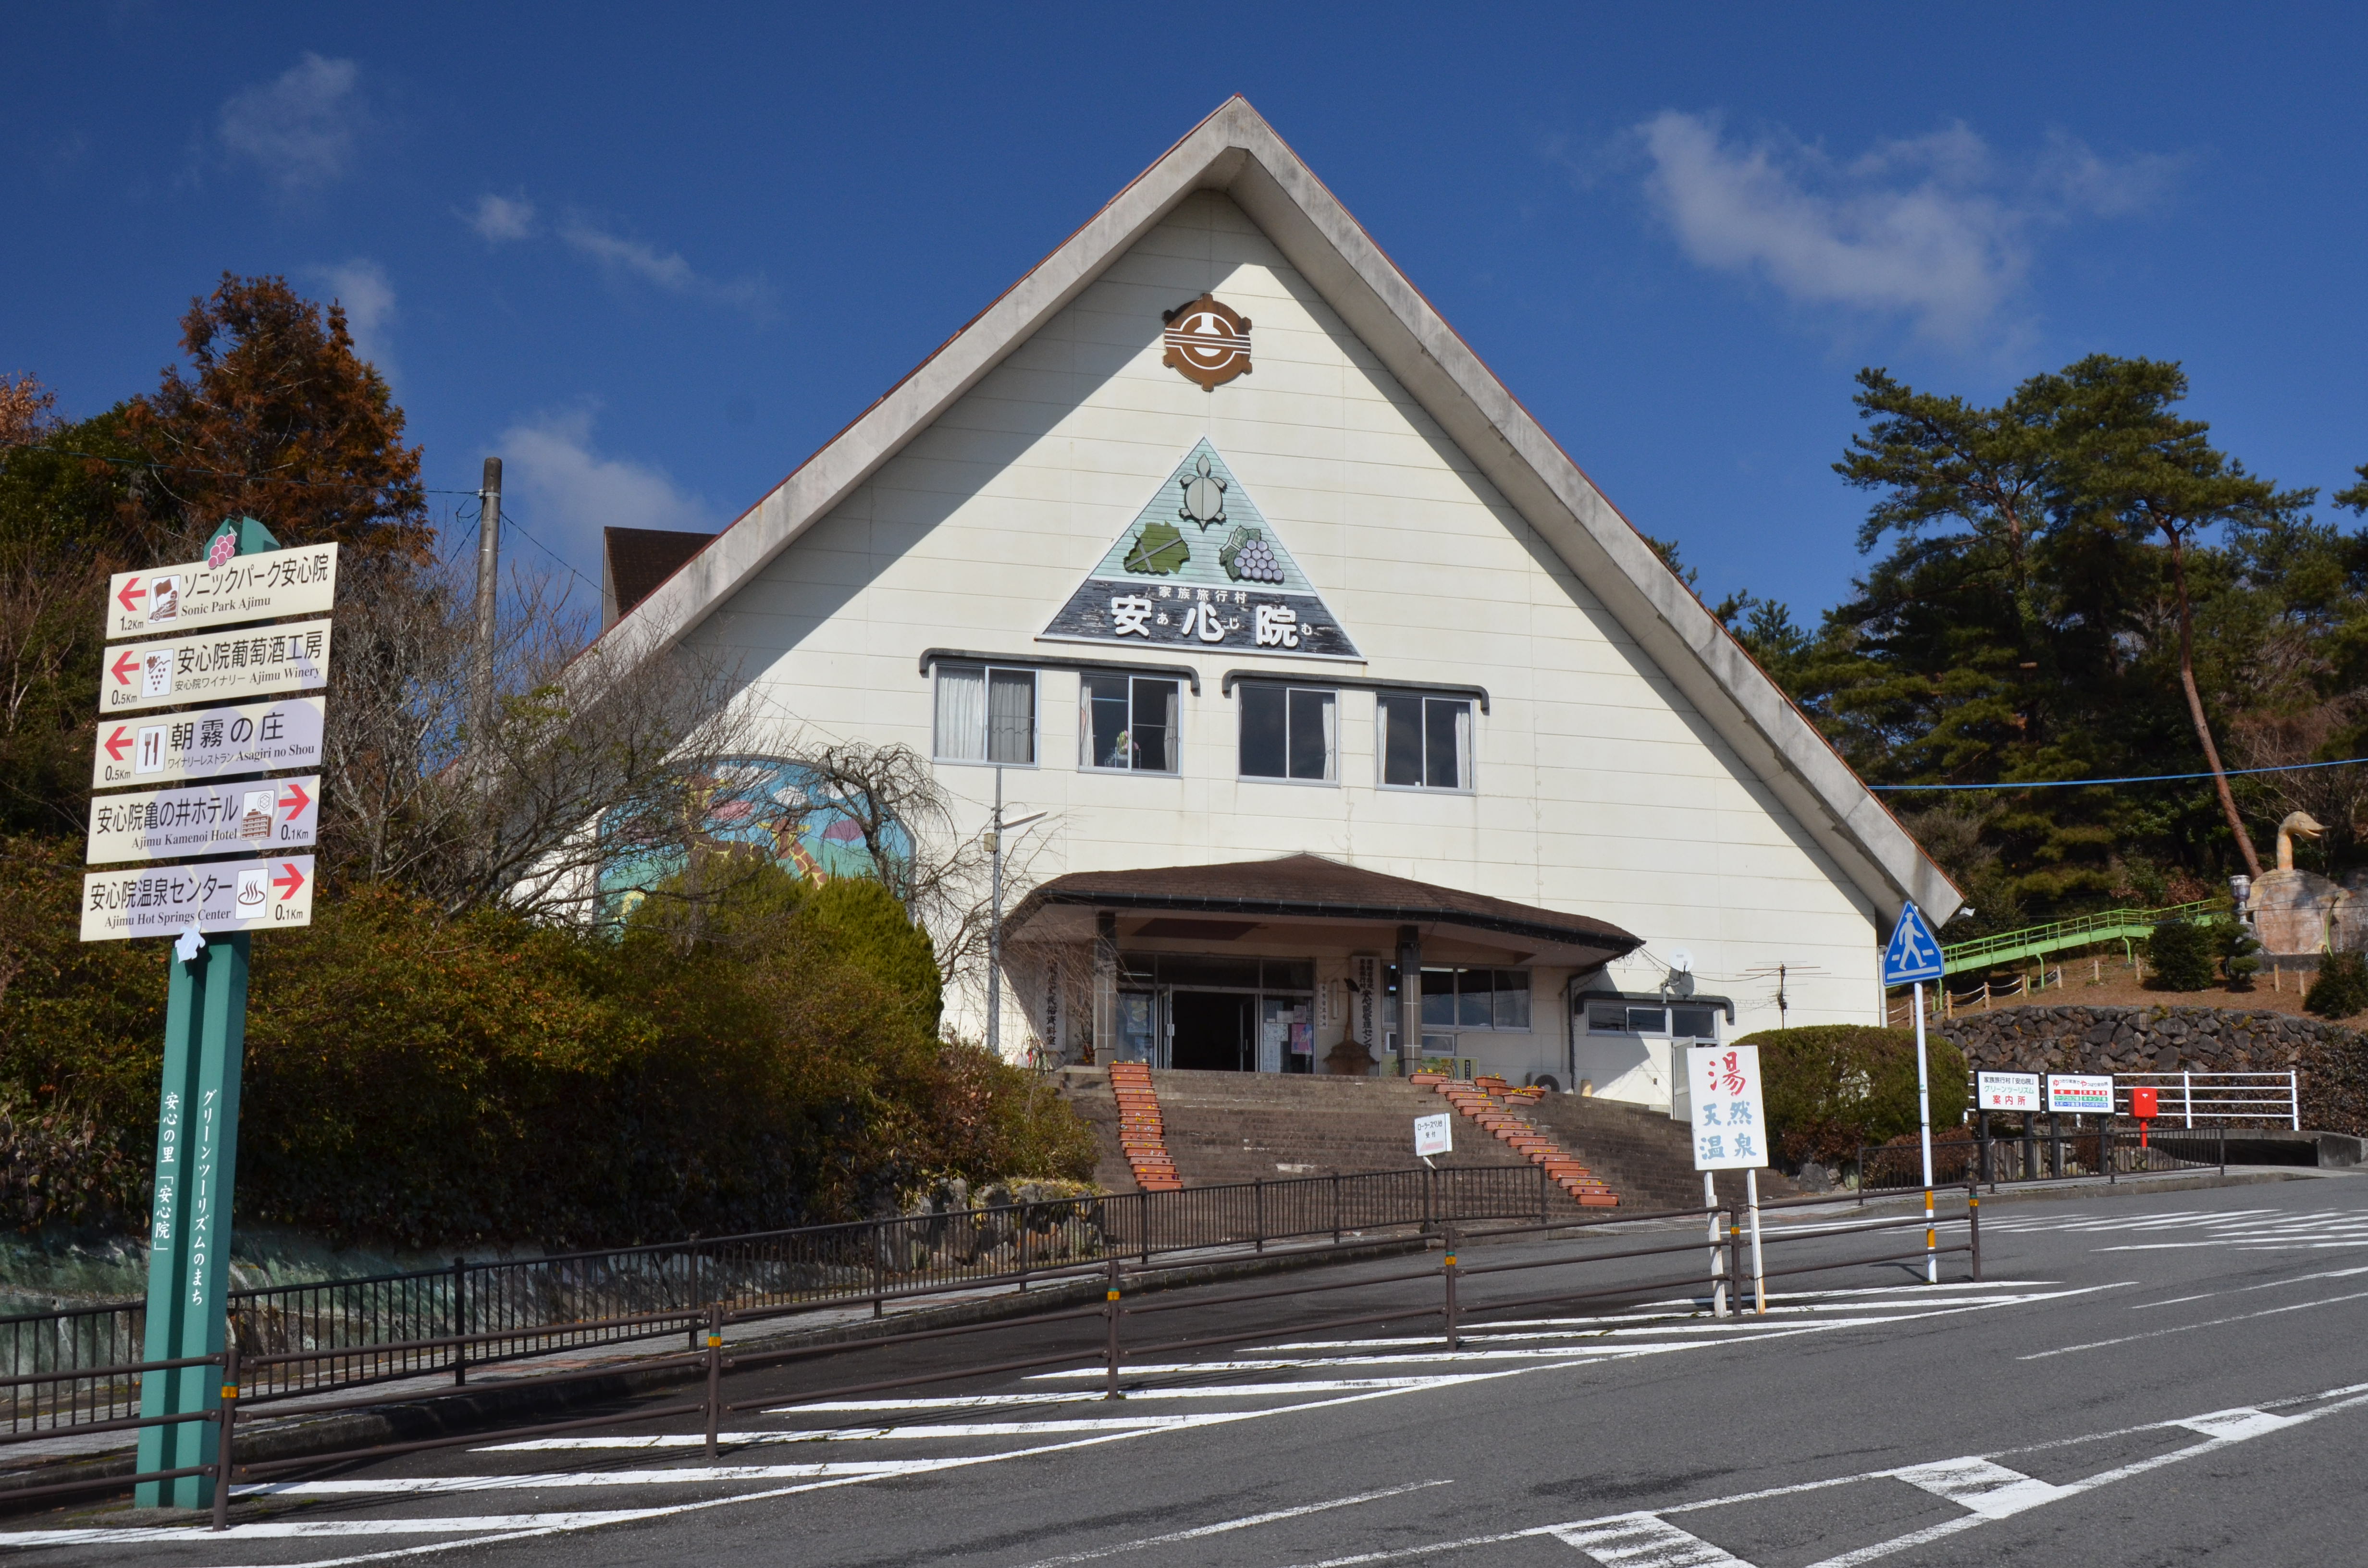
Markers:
(1504, 1115)
(1641, 1153)
(1142, 1130)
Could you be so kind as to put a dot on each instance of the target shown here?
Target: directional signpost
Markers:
(1730, 1134)
(1913, 956)
(206, 787)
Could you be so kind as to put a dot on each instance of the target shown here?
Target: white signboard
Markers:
(266, 587)
(2006, 1091)
(215, 742)
(228, 895)
(260, 661)
(1730, 1123)
(1432, 1135)
(2078, 1092)
(204, 819)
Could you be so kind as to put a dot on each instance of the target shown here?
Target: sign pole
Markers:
(1924, 1121)
(197, 1158)
(1758, 1264)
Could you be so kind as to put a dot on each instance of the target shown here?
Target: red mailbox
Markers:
(2144, 1105)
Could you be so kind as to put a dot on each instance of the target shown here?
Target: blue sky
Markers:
(655, 257)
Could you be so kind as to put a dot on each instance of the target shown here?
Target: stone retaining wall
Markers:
(2332, 1060)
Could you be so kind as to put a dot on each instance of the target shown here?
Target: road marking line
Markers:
(854, 1434)
(2237, 1425)
(1213, 1390)
(411, 1485)
(1640, 1540)
(286, 1529)
(1983, 1486)
(1244, 1522)
(2183, 1328)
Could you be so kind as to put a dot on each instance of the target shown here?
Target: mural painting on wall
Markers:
(763, 804)
(1200, 567)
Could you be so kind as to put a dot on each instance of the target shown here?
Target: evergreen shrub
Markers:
(2184, 956)
(2342, 989)
(1835, 1088)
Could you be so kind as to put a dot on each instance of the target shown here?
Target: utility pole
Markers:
(489, 549)
(995, 828)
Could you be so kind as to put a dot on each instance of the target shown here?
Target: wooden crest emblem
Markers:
(1207, 341)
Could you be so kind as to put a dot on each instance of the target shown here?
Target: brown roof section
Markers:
(1312, 886)
(633, 561)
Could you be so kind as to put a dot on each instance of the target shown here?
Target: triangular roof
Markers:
(1235, 150)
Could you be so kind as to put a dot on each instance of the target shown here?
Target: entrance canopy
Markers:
(1313, 906)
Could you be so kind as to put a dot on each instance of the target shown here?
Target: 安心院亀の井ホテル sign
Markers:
(204, 819)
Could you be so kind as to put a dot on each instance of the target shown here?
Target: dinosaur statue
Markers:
(2297, 824)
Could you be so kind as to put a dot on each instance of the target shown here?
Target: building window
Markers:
(1425, 742)
(1630, 1017)
(986, 714)
(1289, 732)
(1466, 998)
(1128, 723)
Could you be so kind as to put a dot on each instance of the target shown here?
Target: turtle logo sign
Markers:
(1208, 343)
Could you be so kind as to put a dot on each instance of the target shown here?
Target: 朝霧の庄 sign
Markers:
(212, 743)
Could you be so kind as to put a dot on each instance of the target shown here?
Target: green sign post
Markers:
(211, 909)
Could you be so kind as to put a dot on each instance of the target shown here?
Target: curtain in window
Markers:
(1331, 736)
(962, 713)
(1011, 717)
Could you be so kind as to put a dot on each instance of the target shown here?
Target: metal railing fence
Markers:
(2190, 1097)
(441, 1322)
(2039, 1154)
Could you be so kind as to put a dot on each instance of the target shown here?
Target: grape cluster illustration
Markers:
(1247, 558)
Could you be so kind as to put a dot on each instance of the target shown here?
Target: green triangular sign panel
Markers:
(1201, 566)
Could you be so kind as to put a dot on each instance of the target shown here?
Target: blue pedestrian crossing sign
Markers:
(1914, 953)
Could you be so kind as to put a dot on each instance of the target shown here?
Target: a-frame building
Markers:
(1318, 653)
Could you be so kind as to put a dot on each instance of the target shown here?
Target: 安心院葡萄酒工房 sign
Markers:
(262, 661)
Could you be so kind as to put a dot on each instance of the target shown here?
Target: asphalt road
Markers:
(2163, 1377)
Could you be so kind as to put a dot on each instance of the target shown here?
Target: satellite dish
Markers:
(1682, 961)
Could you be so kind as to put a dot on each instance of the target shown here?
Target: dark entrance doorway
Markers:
(1214, 1030)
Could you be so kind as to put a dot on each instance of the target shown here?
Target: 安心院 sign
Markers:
(2006, 1091)
(223, 895)
(204, 819)
(1730, 1122)
(260, 661)
(266, 585)
(212, 743)
(2080, 1093)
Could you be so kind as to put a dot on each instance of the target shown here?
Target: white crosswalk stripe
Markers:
(938, 1433)
(2245, 1229)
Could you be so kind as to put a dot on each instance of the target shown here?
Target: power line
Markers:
(2134, 778)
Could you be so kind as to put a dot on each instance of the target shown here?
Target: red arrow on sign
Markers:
(131, 590)
(121, 669)
(295, 801)
(288, 879)
(115, 744)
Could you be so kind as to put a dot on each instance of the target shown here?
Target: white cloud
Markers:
(500, 218)
(666, 270)
(363, 288)
(570, 492)
(1930, 228)
(301, 127)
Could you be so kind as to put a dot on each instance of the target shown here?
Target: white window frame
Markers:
(1467, 758)
(986, 673)
(1085, 763)
(1331, 780)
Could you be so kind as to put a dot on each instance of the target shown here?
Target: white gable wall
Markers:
(1599, 789)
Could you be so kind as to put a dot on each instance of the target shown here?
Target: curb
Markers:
(494, 1405)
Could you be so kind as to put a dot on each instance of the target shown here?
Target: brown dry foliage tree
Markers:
(278, 419)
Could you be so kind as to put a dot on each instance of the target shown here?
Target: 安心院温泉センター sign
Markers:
(270, 585)
(219, 896)
(213, 742)
(262, 661)
(204, 819)
(1730, 1119)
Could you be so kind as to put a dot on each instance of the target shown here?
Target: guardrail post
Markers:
(714, 1371)
(459, 1322)
(1258, 1201)
(2106, 1153)
(229, 1425)
(1448, 1269)
(1974, 1226)
(1110, 1348)
(2224, 1148)
(1543, 1218)
(2293, 1100)
(1335, 1208)
(1718, 1280)
(1144, 1205)
(880, 1271)
(2187, 1099)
